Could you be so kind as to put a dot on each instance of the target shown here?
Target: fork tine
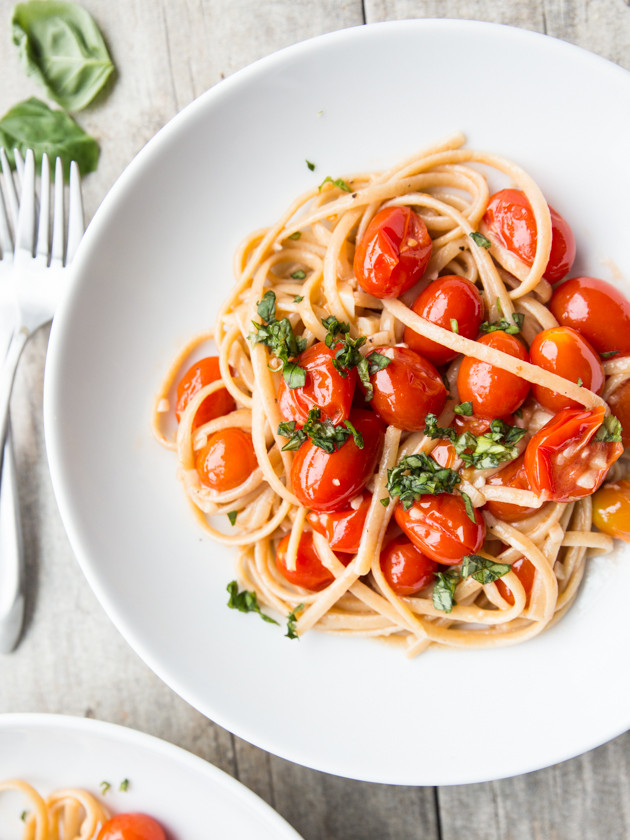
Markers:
(6, 242)
(19, 166)
(25, 230)
(43, 231)
(75, 212)
(58, 221)
(11, 195)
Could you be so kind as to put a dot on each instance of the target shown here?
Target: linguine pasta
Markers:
(306, 259)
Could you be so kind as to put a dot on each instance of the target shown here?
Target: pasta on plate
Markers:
(409, 413)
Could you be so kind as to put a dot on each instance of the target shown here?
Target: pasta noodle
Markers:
(306, 260)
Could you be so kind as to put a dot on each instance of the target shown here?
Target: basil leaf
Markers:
(417, 475)
(232, 516)
(356, 434)
(444, 590)
(298, 275)
(266, 307)
(377, 361)
(608, 353)
(294, 375)
(480, 451)
(62, 48)
(246, 601)
(609, 431)
(296, 436)
(482, 569)
(33, 125)
(470, 510)
(296, 235)
(464, 409)
(298, 299)
(292, 621)
(337, 182)
(454, 326)
(480, 239)
(310, 165)
(504, 325)
(321, 433)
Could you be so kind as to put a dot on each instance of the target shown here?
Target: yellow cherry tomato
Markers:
(611, 509)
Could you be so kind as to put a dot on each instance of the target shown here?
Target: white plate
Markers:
(189, 797)
(152, 270)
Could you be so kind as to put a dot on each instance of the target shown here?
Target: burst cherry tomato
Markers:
(203, 373)
(131, 827)
(512, 475)
(440, 527)
(325, 388)
(310, 572)
(227, 460)
(525, 571)
(393, 254)
(328, 482)
(619, 402)
(406, 569)
(493, 392)
(510, 221)
(407, 389)
(611, 509)
(342, 528)
(597, 310)
(447, 298)
(564, 351)
(562, 460)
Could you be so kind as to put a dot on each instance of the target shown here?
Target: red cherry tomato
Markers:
(444, 299)
(493, 392)
(328, 482)
(510, 221)
(393, 254)
(525, 571)
(227, 460)
(619, 402)
(597, 310)
(131, 827)
(203, 373)
(325, 388)
(611, 509)
(309, 573)
(478, 425)
(440, 527)
(444, 453)
(406, 569)
(407, 389)
(564, 351)
(562, 460)
(342, 528)
(512, 475)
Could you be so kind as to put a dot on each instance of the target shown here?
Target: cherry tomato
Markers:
(227, 460)
(444, 299)
(393, 254)
(406, 569)
(512, 475)
(328, 482)
(562, 460)
(440, 527)
(597, 310)
(478, 425)
(510, 221)
(325, 388)
(342, 528)
(407, 389)
(131, 827)
(310, 572)
(525, 571)
(444, 453)
(562, 350)
(619, 402)
(611, 509)
(493, 392)
(203, 373)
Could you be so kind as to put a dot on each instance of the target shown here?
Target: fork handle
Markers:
(11, 554)
(7, 376)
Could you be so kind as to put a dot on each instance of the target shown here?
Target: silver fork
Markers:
(33, 274)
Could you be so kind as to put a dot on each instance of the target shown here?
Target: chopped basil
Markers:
(608, 353)
(444, 590)
(480, 239)
(417, 475)
(385, 501)
(504, 325)
(294, 375)
(232, 516)
(246, 602)
(280, 338)
(484, 451)
(296, 235)
(124, 785)
(298, 299)
(609, 431)
(299, 274)
(292, 621)
(337, 182)
(321, 433)
(580, 382)
(464, 409)
(105, 786)
(376, 361)
(23, 815)
(483, 569)
(266, 307)
(470, 510)
(310, 165)
(454, 325)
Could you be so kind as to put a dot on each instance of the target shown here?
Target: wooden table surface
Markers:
(71, 659)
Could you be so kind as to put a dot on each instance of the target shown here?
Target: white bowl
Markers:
(187, 796)
(154, 265)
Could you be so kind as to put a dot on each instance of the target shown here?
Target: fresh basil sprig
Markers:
(322, 433)
(444, 590)
(348, 356)
(61, 47)
(246, 601)
(482, 569)
(281, 340)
